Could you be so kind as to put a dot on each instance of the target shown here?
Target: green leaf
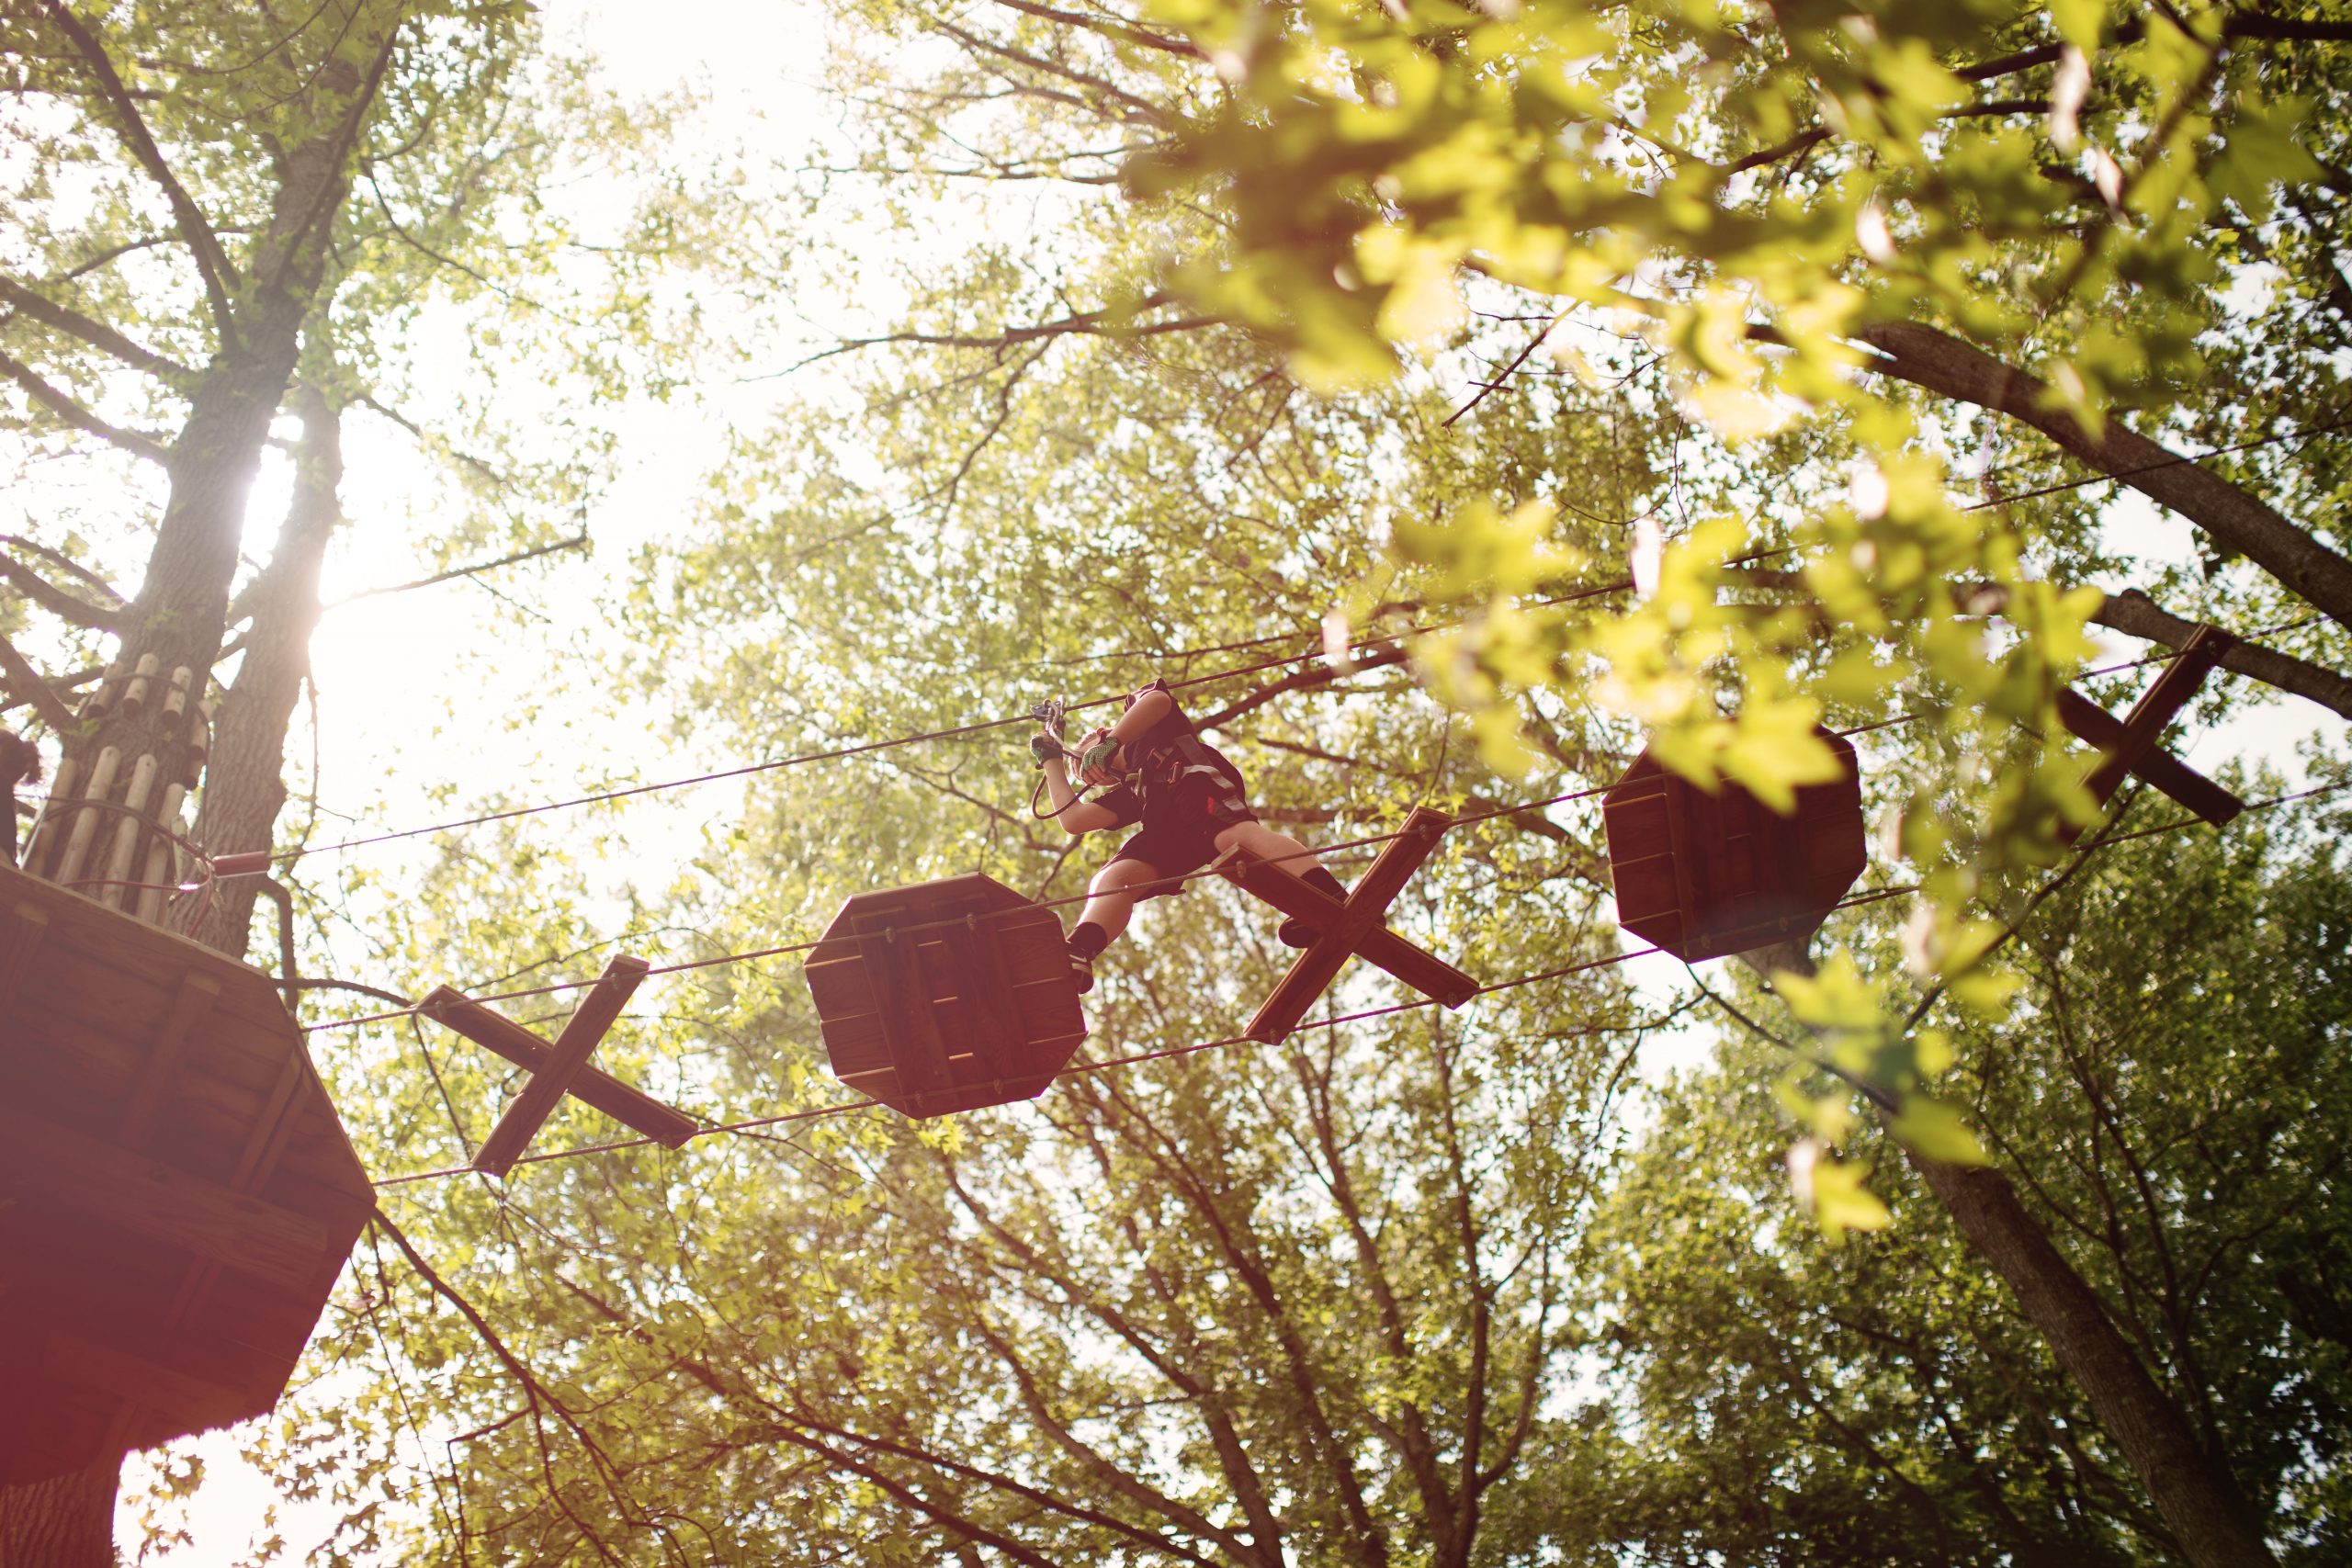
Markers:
(2079, 22)
(1937, 1131)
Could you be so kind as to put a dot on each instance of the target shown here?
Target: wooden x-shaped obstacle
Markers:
(559, 1068)
(1356, 928)
(2129, 743)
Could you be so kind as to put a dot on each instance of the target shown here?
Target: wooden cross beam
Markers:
(2129, 743)
(559, 1068)
(1356, 928)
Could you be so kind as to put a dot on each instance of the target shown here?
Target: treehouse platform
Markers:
(176, 1193)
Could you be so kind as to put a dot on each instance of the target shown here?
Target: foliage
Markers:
(1762, 194)
(2167, 1094)
(1413, 1288)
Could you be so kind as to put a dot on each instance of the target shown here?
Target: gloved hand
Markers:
(1099, 758)
(1044, 748)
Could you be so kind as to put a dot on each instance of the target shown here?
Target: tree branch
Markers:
(56, 601)
(1150, 112)
(27, 683)
(211, 262)
(80, 418)
(2135, 615)
(1317, 674)
(577, 542)
(2288, 29)
(1951, 368)
(533, 1389)
(95, 332)
(1106, 28)
(426, 438)
(73, 683)
(332, 185)
(1108, 321)
(60, 560)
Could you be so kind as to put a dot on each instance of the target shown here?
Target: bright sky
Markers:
(385, 667)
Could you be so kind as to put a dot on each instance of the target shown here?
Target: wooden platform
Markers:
(1705, 872)
(945, 996)
(177, 1194)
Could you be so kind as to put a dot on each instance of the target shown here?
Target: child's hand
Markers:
(1098, 753)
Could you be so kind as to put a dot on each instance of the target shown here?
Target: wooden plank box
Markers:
(1703, 874)
(176, 1193)
(945, 996)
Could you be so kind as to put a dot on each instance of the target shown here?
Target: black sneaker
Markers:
(1295, 932)
(1081, 969)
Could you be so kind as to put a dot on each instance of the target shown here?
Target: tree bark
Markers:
(248, 788)
(66, 1521)
(2134, 614)
(1947, 365)
(2192, 1488)
(181, 612)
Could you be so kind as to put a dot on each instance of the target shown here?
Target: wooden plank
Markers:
(501, 1035)
(270, 1130)
(838, 985)
(980, 979)
(1416, 966)
(582, 1034)
(20, 939)
(191, 1403)
(54, 1262)
(917, 1049)
(116, 1188)
(857, 1043)
(2165, 696)
(2160, 769)
(190, 1007)
(136, 967)
(1365, 909)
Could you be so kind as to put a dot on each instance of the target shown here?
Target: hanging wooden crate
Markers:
(946, 996)
(177, 1194)
(1703, 873)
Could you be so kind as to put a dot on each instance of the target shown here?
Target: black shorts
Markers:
(1181, 822)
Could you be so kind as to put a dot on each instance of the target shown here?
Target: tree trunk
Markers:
(2192, 1488)
(248, 787)
(1952, 368)
(66, 1521)
(181, 617)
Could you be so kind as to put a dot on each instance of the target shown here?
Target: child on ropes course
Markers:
(1187, 795)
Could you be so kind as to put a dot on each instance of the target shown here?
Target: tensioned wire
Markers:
(1178, 881)
(1316, 650)
(2294, 436)
(1160, 884)
(1195, 1049)
(814, 1113)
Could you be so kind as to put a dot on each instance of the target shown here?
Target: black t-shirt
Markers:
(1161, 754)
